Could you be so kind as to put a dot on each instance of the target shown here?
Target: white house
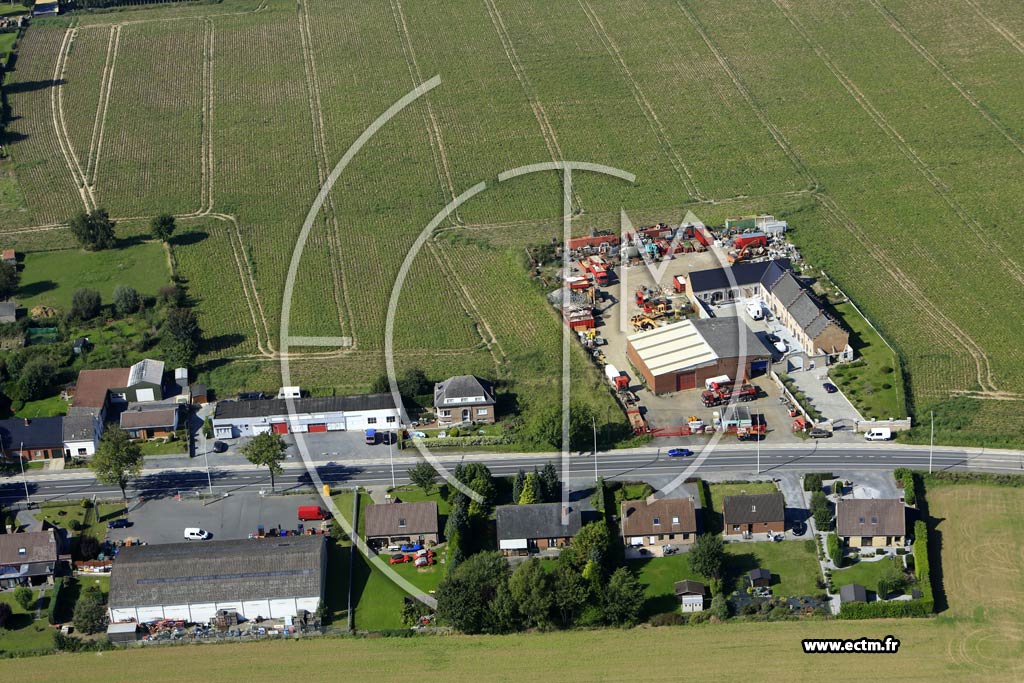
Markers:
(271, 578)
(233, 419)
(82, 429)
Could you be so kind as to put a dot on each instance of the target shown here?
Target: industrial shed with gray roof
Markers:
(269, 578)
(233, 419)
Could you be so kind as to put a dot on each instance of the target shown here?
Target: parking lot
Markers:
(164, 520)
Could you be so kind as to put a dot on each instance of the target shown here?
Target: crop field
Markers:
(890, 133)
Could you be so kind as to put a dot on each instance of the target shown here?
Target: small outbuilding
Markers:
(853, 592)
(691, 595)
(8, 312)
(760, 578)
(124, 633)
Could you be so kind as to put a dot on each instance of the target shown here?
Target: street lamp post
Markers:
(593, 422)
(24, 479)
(391, 457)
(206, 458)
(931, 444)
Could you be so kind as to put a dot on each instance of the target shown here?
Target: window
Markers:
(675, 520)
(81, 451)
(391, 419)
(401, 523)
(21, 551)
(657, 521)
(446, 413)
(481, 412)
(371, 420)
(861, 520)
(735, 527)
(874, 520)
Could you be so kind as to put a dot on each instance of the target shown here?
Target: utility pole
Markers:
(758, 436)
(24, 479)
(931, 444)
(593, 422)
(206, 457)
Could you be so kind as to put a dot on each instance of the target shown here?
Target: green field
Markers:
(50, 278)
(890, 136)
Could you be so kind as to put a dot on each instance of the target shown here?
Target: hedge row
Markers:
(53, 611)
(455, 441)
(921, 567)
(885, 608)
(947, 477)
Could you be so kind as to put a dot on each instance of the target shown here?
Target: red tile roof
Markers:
(91, 390)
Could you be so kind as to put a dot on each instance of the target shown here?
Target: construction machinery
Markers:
(721, 394)
(642, 323)
(598, 268)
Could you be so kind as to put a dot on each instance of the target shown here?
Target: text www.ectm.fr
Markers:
(887, 645)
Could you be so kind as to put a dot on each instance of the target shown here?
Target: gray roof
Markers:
(817, 326)
(745, 273)
(759, 507)
(324, 404)
(400, 519)
(79, 426)
(871, 517)
(457, 391)
(146, 371)
(39, 546)
(723, 336)
(38, 432)
(542, 520)
(141, 416)
(804, 310)
(759, 574)
(217, 571)
(853, 592)
(688, 587)
(8, 308)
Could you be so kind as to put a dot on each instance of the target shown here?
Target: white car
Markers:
(780, 346)
(196, 534)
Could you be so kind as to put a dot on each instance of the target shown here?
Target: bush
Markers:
(948, 477)
(835, 551)
(52, 612)
(85, 503)
(814, 481)
(85, 304)
(24, 597)
(668, 619)
(699, 617)
(921, 566)
(885, 609)
(719, 607)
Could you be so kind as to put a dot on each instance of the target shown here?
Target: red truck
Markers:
(725, 393)
(308, 513)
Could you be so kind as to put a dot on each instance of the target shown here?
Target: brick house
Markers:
(143, 421)
(871, 523)
(40, 438)
(464, 399)
(753, 514)
(30, 558)
(525, 529)
(399, 522)
(657, 521)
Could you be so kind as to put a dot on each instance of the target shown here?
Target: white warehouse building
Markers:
(233, 419)
(271, 578)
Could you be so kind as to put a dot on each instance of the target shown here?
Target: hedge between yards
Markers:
(55, 599)
(946, 477)
(455, 441)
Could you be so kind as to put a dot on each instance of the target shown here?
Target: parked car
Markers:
(799, 528)
(398, 559)
(772, 339)
(411, 547)
(781, 346)
(423, 552)
(197, 534)
(817, 433)
(643, 551)
(669, 550)
(830, 388)
(679, 452)
(119, 524)
(423, 561)
(308, 513)
(219, 447)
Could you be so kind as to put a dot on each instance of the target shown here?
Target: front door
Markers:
(465, 414)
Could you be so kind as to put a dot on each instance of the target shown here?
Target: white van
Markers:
(755, 310)
(196, 534)
(878, 434)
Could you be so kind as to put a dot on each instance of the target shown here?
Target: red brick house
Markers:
(760, 513)
(658, 521)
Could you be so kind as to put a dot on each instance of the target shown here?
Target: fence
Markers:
(901, 425)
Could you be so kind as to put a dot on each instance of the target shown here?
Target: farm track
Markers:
(1006, 33)
(135, 22)
(323, 167)
(106, 83)
(682, 170)
(473, 310)
(437, 148)
(940, 188)
(952, 80)
(59, 127)
(547, 130)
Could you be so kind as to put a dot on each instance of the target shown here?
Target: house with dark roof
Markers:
(150, 420)
(30, 558)
(691, 595)
(871, 522)
(81, 432)
(272, 578)
(750, 514)
(802, 314)
(233, 419)
(397, 522)
(40, 438)
(464, 399)
(526, 529)
(741, 281)
(658, 521)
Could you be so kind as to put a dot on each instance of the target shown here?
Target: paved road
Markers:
(634, 464)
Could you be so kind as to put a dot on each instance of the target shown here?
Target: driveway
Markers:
(835, 407)
(235, 517)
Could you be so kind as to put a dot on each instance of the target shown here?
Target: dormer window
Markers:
(874, 520)
(22, 551)
(401, 523)
(657, 521)
(675, 520)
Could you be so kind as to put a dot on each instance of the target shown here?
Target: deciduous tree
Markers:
(85, 304)
(423, 475)
(118, 460)
(623, 598)
(8, 279)
(126, 300)
(94, 230)
(163, 227)
(266, 450)
(707, 555)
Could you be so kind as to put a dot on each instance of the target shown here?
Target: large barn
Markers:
(271, 578)
(325, 414)
(683, 355)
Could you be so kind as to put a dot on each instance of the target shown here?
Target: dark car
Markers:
(799, 528)
(830, 388)
(819, 433)
(219, 447)
(119, 524)
(679, 452)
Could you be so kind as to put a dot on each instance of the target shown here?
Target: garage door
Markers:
(758, 367)
(318, 427)
(279, 427)
(686, 380)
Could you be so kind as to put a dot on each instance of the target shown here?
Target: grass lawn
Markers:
(44, 407)
(50, 277)
(873, 383)
(793, 566)
(337, 583)
(864, 573)
(160, 447)
(414, 494)
(96, 526)
(712, 518)
(24, 631)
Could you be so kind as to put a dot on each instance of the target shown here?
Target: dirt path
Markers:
(1006, 33)
(940, 188)
(57, 117)
(438, 151)
(102, 103)
(547, 130)
(682, 170)
(952, 80)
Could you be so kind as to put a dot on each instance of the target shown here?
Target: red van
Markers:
(311, 512)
